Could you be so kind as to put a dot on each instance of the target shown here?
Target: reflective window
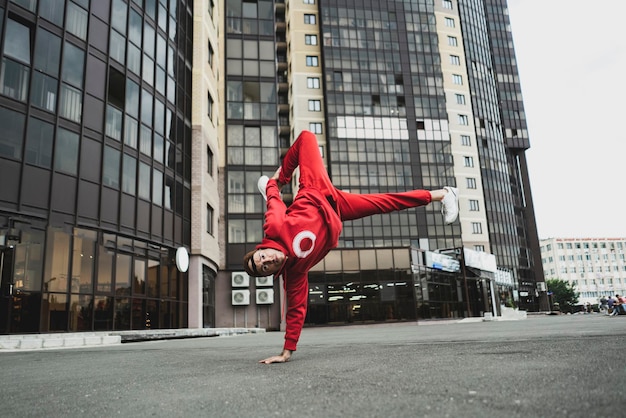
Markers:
(148, 39)
(73, 65)
(113, 127)
(129, 174)
(11, 134)
(103, 313)
(81, 312)
(52, 10)
(131, 127)
(47, 53)
(132, 98)
(119, 12)
(57, 269)
(76, 22)
(111, 168)
(134, 59)
(122, 274)
(71, 106)
(83, 262)
(14, 79)
(117, 47)
(145, 140)
(157, 187)
(146, 107)
(158, 148)
(139, 278)
(135, 27)
(144, 181)
(66, 152)
(17, 41)
(39, 143)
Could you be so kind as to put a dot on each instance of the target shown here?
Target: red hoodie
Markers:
(305, 232)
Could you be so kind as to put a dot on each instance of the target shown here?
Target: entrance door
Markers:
(7, 257)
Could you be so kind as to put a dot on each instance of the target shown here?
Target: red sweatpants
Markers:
(306, 154)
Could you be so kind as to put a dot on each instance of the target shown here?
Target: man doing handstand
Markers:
(298, 237)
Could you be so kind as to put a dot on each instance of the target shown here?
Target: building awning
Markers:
(481, 273)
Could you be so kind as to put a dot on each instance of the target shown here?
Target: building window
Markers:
(452, 41)
(211, 53)
(455, 60)
(15, 71)
(111, 168)
(480, 248)
(66, 152)
(209, 164)
(471, 183)
(315, 106)
(210, 106)
(477, 228)
(144, 181)
(460, 99)
(463, 120)
(457, 79)
(312, 61)
(315, 127)
(12, 134)
(209, 219)
(309, 19)
(211, 7)
(310, 39)
(38, 141)
(468, 161)
(313, 82)
(129, 174)
(449, 22)
(309, 1)
(474, 206)
(76, 21)
(447, 4)
(466, 140)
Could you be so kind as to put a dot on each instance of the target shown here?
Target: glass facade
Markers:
(386, 115)
(252, 145)
(96, 112)
(502, 139)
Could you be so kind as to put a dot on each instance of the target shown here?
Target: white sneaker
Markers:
(450, 205)
(262, 185)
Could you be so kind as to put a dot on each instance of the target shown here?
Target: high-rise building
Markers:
(95, 164)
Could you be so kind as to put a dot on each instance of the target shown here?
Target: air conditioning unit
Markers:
(241, 297)
(264, 296)
(240, 279)
(265, 281)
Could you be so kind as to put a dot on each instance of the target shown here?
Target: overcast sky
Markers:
(572, 64)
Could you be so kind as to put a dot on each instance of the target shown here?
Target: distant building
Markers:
(596, 267)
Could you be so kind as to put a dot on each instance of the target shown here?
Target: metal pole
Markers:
(467, 300)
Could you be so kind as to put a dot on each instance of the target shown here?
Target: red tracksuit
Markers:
(307, 230)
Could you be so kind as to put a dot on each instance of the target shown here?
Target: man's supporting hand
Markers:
(282, 358)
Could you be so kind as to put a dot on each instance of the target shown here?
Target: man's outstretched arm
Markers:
(282, 358)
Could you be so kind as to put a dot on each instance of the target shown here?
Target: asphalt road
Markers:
(547, 366)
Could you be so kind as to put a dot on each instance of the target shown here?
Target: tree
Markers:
(563, 293)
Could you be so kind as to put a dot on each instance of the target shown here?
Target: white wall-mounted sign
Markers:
(182, 259)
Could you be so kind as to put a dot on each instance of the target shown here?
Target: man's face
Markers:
(268, 261)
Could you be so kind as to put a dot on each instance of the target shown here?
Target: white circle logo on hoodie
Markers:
(297, 243)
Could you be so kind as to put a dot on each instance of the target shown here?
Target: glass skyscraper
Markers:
(95, 163)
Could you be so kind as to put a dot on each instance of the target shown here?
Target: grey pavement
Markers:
(544, 366)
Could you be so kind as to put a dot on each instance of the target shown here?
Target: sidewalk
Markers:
(107, 338)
